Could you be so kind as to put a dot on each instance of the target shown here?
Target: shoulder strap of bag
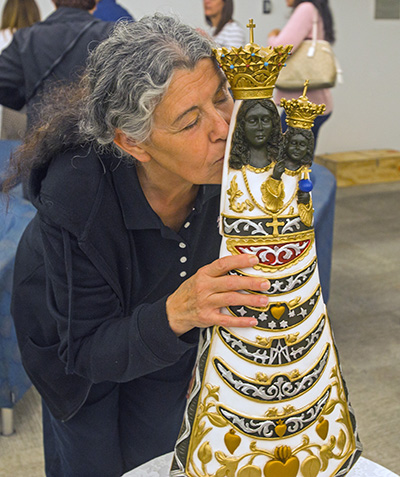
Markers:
(59, 59)
(311, 50)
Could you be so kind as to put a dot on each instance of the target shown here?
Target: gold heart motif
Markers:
(280, 429)
(232, 441)
(322, 428)
(277, 311)
(276, 468)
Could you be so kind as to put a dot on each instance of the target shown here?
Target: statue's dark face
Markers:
(258, 126)
(297, 147)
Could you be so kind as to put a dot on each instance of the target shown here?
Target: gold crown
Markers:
(301, 112)
(252, 70)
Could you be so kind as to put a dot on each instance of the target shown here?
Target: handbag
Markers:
(314, 60)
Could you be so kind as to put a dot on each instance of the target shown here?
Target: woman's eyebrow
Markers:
(181, 116)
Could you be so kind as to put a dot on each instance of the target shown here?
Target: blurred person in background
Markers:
(299, 28)
(111, 11)
(222, 28)
(49, 53)
(16, 14)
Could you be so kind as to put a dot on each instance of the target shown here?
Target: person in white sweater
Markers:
(222, 28)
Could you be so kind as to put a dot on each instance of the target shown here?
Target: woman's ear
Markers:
(131, 147)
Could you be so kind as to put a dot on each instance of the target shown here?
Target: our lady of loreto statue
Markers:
(270, 400)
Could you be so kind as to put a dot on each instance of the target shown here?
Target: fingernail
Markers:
(253, 322)
(254, 260)
(265, 285)
(264, 301)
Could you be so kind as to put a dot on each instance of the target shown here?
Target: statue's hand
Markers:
(198, 301)
(303, 197)
(279, 169)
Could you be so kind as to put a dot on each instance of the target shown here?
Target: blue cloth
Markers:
(6, 148)
(110, 11)
(323, 194)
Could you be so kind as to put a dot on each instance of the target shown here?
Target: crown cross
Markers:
(251, 25)
(306, 83)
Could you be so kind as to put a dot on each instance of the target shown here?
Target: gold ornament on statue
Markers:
(301, 112)
(252, 70)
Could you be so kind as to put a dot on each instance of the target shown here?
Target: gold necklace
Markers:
(298, 171)
(259, 170)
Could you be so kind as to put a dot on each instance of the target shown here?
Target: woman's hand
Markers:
(197, 302)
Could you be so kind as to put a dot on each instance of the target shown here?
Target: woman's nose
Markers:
(220, 127)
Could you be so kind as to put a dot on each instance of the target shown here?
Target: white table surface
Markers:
(159, 467)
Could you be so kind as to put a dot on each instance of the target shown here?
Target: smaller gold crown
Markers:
(301, 112)
(252, 70)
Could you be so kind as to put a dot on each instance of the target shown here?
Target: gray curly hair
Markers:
(129, 73)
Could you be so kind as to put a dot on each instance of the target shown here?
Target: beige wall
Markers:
(367, 104)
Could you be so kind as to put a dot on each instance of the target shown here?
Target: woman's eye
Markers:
(191, 125)
(222, 98)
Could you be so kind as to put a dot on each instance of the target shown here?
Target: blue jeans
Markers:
(318, 122)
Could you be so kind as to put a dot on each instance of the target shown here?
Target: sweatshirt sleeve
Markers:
(97, 341)
(298, 27)
(12, 83)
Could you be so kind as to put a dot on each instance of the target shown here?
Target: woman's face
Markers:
(213, 8)
(190, 129)
(297, 147)
(258, 126)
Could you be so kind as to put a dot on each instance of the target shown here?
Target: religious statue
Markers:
(268, 401)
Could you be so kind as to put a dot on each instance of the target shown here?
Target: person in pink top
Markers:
(297, 29)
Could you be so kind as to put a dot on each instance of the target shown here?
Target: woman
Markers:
(17, 14)
(224, 30)
(113, 279)
(297, 29)
(257, 135)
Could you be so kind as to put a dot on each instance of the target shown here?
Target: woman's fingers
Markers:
(223, 265)
(221, 300)
(220, 319)
(235, 282)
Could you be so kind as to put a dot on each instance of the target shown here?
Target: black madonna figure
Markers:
(296, 151)
(257, 135)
